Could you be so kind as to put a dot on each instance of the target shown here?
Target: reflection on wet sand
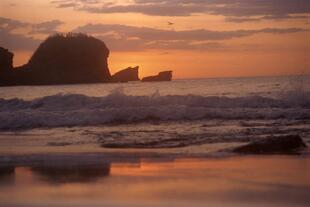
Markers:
(71, 174)
(238, 181)
(6, 171)
(7, 175)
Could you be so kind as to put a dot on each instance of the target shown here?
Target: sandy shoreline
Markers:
(144, 179)
(69, 167)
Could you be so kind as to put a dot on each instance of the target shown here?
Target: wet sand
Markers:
(150, 180)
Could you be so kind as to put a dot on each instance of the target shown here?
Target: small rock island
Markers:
(70, 58)
(162, 76)
(126, 75)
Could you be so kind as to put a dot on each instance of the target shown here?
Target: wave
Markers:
(79, 110)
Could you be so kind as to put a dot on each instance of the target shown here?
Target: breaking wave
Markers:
(79, 110)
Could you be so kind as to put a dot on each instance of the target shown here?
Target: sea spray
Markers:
(295, 92)
(79, 110)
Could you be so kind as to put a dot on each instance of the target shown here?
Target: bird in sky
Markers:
(170, 23)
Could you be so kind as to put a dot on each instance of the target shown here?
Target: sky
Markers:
(207, 38)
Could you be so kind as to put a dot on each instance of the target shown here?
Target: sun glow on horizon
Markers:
(196, 45)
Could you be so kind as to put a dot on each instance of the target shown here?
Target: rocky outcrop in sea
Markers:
(162, 76)
(126, 75)
(60, 59)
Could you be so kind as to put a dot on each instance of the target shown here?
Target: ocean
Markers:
(161, 115)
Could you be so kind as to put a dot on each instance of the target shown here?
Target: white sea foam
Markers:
(80, 110)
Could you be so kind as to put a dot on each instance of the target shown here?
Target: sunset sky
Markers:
(208, 38)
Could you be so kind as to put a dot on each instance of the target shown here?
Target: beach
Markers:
(153, 144)
(138, 180)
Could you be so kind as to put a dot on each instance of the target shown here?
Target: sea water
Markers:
(159, 115)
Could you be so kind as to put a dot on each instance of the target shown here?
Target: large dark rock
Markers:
(162, 76)
(126, 75)
(273, 145)
(65, 59)
(6, 59)
(6, 65)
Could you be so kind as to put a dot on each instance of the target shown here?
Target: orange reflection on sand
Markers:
(252, 168)
(231, 181)
(144, 168)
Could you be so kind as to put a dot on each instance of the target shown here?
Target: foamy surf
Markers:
(67, 110)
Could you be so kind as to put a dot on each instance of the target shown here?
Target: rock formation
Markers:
(62, 59)
(126, 75)
(162, 76)
(6, 65)
(68, 59)
(273, 145)
(6, 59)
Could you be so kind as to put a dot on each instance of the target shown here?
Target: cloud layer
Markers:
(272, 9)
(24, 40)
(122, 37)
(129, 38)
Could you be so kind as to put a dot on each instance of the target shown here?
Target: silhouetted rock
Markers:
(6, 65)
(273, 145)
(6, 59)
(162, 76)
(65, 59)
(128, 74)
